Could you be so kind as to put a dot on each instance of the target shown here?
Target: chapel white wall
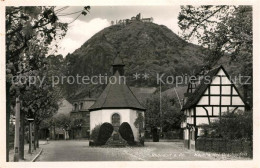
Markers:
(105, 115)
(95, 119)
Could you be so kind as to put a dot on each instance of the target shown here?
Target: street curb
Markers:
(36, 157)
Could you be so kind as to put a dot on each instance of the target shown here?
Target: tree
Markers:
(63, 121)
(29, 33)
(226, 31)
(139, 123)
(219, 28)
(171, 116)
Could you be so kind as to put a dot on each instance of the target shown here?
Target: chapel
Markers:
(117, 104)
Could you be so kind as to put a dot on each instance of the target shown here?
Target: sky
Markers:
(100, 17)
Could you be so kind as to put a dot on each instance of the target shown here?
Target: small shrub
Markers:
(231, 126)
(94, 133)
(127, 133)
(106, 129)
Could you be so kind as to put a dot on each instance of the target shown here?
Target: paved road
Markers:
(79, 150)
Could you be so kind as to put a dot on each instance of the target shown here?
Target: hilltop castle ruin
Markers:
(136, 18)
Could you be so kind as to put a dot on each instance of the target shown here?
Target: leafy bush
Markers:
(100, 134)
(233, 133)
(127, 133)
(105, 132)
(94, 133)
(139, 121)
(231, 126)
(175, 134)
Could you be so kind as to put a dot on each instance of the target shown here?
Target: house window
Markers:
(116, 120)
(81, 106)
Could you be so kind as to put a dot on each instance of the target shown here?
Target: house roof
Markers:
(195, 97)
(84, 99)
(117, 95)
(68, 99)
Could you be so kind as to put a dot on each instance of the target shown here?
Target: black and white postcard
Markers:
(129, 83)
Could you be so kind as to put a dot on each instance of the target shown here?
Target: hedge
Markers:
(105, 133)
(225, 146)
(127, 133)
(101, 134)
(94, 133)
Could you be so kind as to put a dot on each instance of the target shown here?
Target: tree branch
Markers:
(195, 28)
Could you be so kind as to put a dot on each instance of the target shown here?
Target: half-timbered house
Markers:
(207, 98)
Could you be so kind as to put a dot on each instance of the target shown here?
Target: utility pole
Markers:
(8, 109)
(17, 127)
(21, 138)
(30, 134)
(178, 97)
(161, 107)
(30, 138)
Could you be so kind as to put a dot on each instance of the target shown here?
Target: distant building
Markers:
(77, 111)
(147, 19)
(136, 18)
(80, 119)
(65, 107)
(208, 101)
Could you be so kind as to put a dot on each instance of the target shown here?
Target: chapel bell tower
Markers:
(118, 65)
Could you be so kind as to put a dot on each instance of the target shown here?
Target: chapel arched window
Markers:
(116, 120)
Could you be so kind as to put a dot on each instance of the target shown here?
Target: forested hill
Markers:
(144, 47)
